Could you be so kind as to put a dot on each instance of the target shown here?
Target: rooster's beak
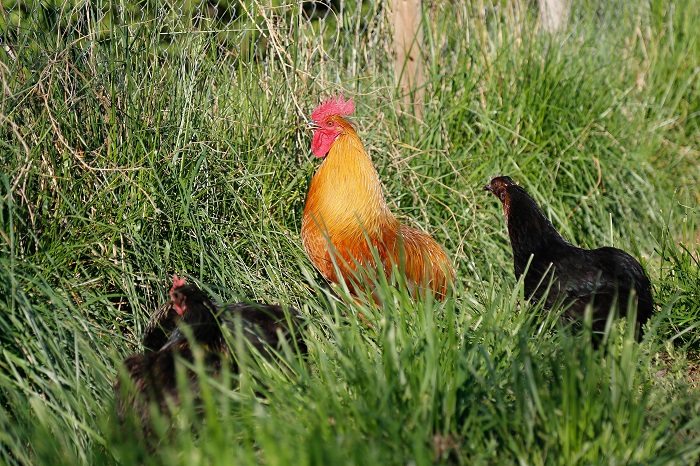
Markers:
(312, 125)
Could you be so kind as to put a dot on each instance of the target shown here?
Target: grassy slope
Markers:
(124, 162)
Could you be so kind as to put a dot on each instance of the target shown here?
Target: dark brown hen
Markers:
(191, 313)
(601, 277)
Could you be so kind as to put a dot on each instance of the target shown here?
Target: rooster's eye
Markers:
(330, 124)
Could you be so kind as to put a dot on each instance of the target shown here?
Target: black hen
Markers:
(601, 277)
(190, 311)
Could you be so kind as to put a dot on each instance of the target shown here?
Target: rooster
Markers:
(191, 313)
(601, 277)
(346, 216)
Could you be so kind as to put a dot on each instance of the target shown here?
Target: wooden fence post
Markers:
(408, 60)
(553, 14)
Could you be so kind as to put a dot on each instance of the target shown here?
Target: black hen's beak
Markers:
(487, 187)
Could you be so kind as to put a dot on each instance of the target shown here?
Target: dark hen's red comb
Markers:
(333, 106)
(177, 282)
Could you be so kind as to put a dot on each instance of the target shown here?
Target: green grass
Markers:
(135, 148)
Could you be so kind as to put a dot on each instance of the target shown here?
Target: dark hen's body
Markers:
(153, 373)
(601, 277)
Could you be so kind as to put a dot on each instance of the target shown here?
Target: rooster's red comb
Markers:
(333, 106)
(177, 282)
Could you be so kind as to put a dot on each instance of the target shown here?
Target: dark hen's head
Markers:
(498, 186)
(177, 296)
(192, 304)
(519, 206)
(197, 311)
(187, 298)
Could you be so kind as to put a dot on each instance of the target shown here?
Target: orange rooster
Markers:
(346, 214)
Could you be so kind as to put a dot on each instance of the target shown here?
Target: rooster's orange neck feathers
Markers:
(352, 201)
